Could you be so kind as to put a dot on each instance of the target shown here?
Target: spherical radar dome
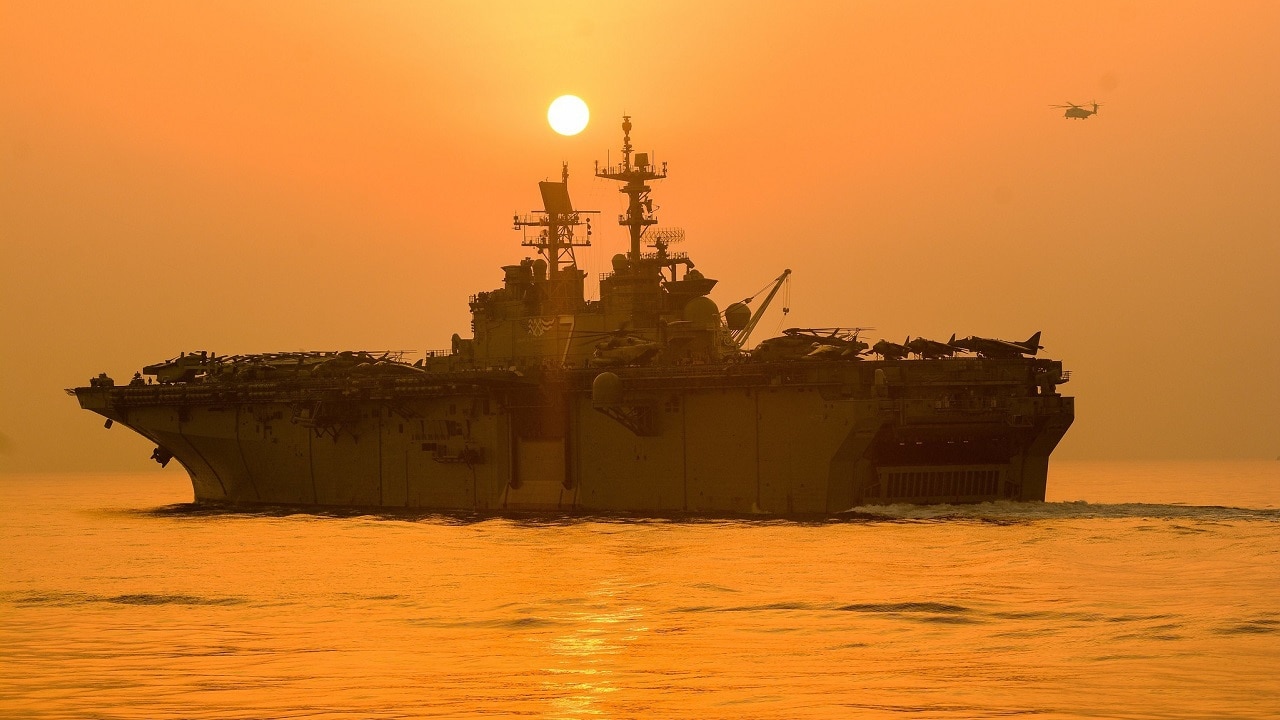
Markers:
(703, 312)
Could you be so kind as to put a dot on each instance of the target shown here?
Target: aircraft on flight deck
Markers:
(993, 348)
(931, 349)
(891, 351)
(831, 342)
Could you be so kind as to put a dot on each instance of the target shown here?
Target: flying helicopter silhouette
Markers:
(1077, 112)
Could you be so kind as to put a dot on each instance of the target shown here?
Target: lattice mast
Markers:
(557, 219)
(634, 172)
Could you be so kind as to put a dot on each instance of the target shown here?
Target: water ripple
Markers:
(1256, 626)
(905, 607)
(77, 598)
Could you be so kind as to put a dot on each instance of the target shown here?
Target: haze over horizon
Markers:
(293, 176)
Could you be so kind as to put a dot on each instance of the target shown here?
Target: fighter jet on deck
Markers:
(891, 351)
(992, 348)
(932, 349)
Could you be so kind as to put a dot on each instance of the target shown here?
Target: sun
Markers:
(568, 115)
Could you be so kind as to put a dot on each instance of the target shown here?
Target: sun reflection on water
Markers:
(581, 680)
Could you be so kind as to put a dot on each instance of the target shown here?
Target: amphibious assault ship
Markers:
(645, 401)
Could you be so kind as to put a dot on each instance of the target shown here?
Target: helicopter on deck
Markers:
(812, 344)
(1075, 112)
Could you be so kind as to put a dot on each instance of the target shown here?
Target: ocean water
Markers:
(1142, 590)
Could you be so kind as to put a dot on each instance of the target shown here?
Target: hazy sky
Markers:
(251, 177)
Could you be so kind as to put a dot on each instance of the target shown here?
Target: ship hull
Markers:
(786, 439)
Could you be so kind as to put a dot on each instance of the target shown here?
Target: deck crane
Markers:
(739, 318)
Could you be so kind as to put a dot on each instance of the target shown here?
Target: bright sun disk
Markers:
(568, 114)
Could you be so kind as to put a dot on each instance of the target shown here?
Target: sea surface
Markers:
(1142, 590)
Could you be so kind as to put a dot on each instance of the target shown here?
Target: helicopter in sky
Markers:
(1075, 112)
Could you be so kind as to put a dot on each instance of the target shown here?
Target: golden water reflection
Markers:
(1074, 610)
(582, 679)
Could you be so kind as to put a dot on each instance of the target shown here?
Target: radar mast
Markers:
(635, 172)
(558, 219)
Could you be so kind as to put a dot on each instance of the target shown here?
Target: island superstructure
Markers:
(645, 401)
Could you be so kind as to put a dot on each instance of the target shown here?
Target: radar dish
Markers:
(555, 198)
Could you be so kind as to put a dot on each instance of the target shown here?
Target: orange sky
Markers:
(299, 175)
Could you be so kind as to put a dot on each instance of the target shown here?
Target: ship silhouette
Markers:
(645, 401)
